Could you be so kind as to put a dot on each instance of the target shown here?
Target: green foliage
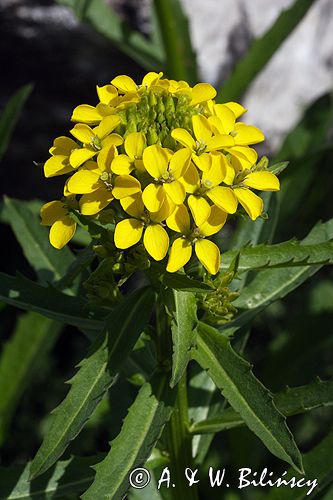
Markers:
(152, 409)
(183, 283)
(10, 115)
(97, 372)
(183, 328)
(262, 50)
(233, 376)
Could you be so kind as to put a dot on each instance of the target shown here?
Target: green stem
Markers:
(173, 26)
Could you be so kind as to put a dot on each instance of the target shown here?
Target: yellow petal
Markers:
(133, 205)
(252, 203)
(112, 140)
(243, 157)
(217, 125)
(247, 134)
(107, 125)
(134, 145)
(179, 220)
(220, 142)
(151, 78)
(156, 241)
(176, 191)
(209, 255)
(153, 197)
(124, 83)
(180, 254)
(203, 161)
(236, 108)
(215, 175)
(202, 92)
(155, 160)
(264, 181)
(227, 117)
(184, 138)
(63, 146)
(215, 221)
(191, 179)
(127, 233)
(125, 185)
(167, 208)
(200, 209)
(79, 156)
(62, 231)
(121, 165)
(106, 93)
(83, 133)
(52, 211)
(179, 162)
(57, 165)
(106, 157)
(224, 198)
(201, 128)
(92, 203)
(86, 114)
(83, 181)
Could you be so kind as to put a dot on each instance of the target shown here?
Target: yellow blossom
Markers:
(63, 227)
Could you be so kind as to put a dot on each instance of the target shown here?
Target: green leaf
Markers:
(233, 376)
(291, 401)
(182, 282)
(287, 254)
(96, 374)
(274, 284)
(174, 32)
(318, 464)
(141, 429)
(278, 168)
(105, 21)
(10, 115)
(33, 337)
(183, 328)
(47, 301)
(50, 264)
(262, 50)
(67, 477)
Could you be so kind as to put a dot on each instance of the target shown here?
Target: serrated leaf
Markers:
(291, 401)
(141, 429)
(183, 283)
(262, 49)
(50, 264)
(246, 394)
(96, 373)
(47, 301)
(287, 254)
(67, 478)
(183, 328)
(102, 17)
(10, 115)
(32, 338)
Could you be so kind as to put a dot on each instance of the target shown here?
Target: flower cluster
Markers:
(171, 162)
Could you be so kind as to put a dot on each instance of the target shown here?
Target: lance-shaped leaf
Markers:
(50, 264)
(182, 282)
(25, 294)
(287, 254)
(141, 429)
(183, 327)
(102, 17)
(246, 394)
(95, 375)
(262, 50)
(33, 337)
(318, 465)
(291, 401)
(10, 115)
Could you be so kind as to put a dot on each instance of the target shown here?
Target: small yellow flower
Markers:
(61, 150)
(128, 232)
(63, 227)
(207, 252)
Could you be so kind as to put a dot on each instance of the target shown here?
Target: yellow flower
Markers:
(98, 185)
(166, 170)
(128, 232)
(204, 140)
(94, 140)
(59, 164)
(134, 145)
(207, 252)
(63, 227)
